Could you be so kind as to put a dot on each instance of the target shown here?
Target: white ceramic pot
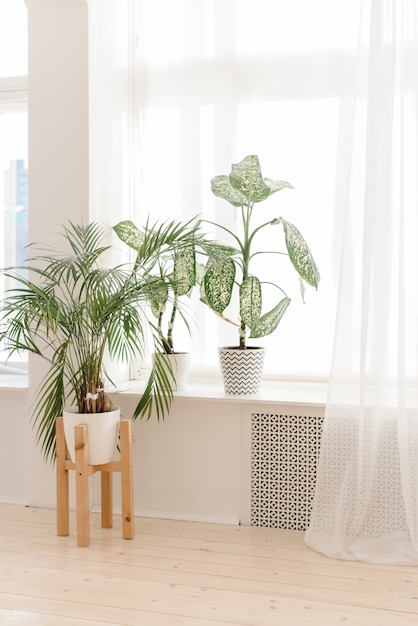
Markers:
(102, 433)
(180, 366)
(241, 370)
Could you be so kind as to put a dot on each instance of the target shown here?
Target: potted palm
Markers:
(244, 188)
(73, 311)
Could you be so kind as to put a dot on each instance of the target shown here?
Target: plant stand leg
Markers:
(63, 514)
(106, 483)
(126, 472)
(82, 473)
(82, 485)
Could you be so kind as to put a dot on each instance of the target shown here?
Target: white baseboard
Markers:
(174, 515)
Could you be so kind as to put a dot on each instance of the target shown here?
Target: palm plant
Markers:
(244, 188)
(74, 309)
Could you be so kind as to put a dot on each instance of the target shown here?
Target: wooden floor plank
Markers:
(187, 573)
(190, 575)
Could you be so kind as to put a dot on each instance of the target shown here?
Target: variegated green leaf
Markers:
(269, 322)
(129, 234)
(219, 252)
(300, 255)
(250, 301)
(184, 271)
(218, 285)
(277, 185)
(245, 183)
(246, 178)
(221, 187)
(157, 294)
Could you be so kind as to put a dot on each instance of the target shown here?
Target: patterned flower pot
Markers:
(241, 369)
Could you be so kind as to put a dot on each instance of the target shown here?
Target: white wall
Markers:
(58, 191)
(58, 115)
(193, 465)
(14, 457)
(58, 151)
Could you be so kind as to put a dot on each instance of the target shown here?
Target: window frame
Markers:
(13, 93)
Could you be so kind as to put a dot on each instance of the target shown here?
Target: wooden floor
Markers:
(188, 574)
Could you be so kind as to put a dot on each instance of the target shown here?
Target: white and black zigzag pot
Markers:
(241, 369)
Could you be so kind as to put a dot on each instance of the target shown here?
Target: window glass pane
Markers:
(182, 33)
(190, 29)
(13, 38)
(162, 124)
(268, 27)
(296, 142)
(13, 192)
(13, 140)
(219, 80)
(13, 187)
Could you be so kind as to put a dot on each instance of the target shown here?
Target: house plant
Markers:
(245, 187)
(73, 310)
(174, 275)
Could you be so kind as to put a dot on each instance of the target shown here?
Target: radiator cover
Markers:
(284, 453)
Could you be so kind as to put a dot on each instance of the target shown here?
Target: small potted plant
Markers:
(244, 188)
(174, 275)
(71, 311)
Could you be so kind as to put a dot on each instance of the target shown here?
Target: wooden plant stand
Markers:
(82, 472)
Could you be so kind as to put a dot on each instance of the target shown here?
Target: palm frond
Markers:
(70, 311)
(158, 393)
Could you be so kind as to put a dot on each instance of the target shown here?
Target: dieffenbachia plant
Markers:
(245, 187)
(175, 270)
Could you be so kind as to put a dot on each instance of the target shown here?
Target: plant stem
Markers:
(246, 211)
(171, 323)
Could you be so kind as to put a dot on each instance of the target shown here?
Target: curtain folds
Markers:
(179, 91)
(110, 36)
(182, 89)
(366, 500)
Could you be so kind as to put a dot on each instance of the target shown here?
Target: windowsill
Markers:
(14, 381)
(210, 387)
(14, 375)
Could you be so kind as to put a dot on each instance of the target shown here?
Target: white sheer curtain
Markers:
(183, 88)
(366, 500)
(110, 50)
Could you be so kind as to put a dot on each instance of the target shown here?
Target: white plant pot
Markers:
(180, 366)
(241, 370)
(102, 433)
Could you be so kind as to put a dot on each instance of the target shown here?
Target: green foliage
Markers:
(300, 255)
(244, 187)
(73, 309)
(218, 283)
(175, 271)
(250, 301)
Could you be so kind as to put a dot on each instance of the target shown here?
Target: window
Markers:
(217, 81)
(13, 135)
(201, 85)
